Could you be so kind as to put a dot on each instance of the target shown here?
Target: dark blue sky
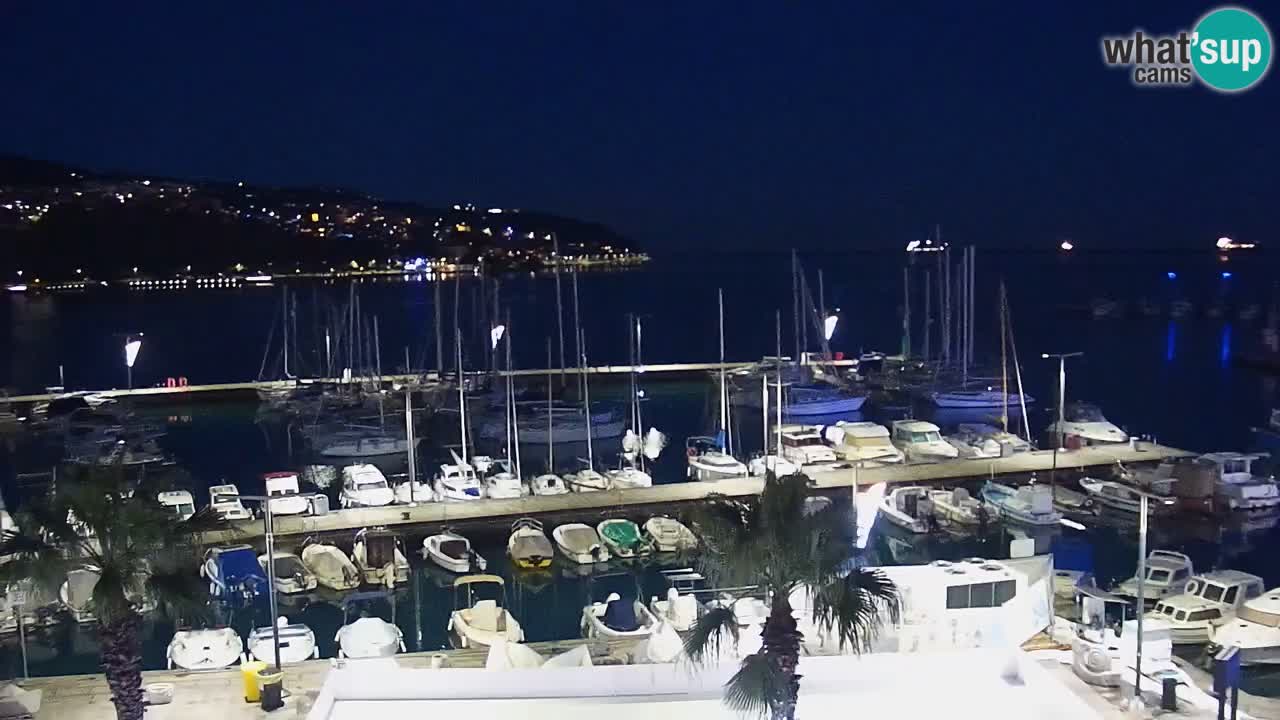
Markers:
(742, 124)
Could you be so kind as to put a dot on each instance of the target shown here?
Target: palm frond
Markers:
(178, 593)
(856, 607)
(711, 633)
(757, 688)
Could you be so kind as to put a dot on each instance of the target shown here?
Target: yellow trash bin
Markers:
(249, 677)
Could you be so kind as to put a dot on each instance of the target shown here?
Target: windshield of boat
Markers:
(925, 437)
(1085, 413)
(1157, 575)
(282, 485)
(805, 440)
(369, 482)
(1261, 617)
(874, 441)
(380, 550)
(1236, 466)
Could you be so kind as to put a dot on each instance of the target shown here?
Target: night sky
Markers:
(716, 124)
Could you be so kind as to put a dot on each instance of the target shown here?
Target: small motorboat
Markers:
(1117, 496)
(364, 485)
(669, 535)
(617, 617)
(225, 501)
(452, 552)
(330, 566)
(211, 649)
(528, 545)
(971, 447)
(958, 507)
(709, 462)
(503, 483)
(761, 465)
(368, 636)
(290, 501)
(297, 643)
(1209, 602)
(628, 477)
(1168, 573)
(680, 611)
(921, 441)
(457, 482)
(378, 554)
(978, 399)
(549, 484)
(233, 571)
(292, 576)
(1028, 505)
(178, 502)
(480, 617)
(909, 508)
(580, 543)
(411, 492)
(623, 538)
(1007, 441)
(1085, 422)
(586, 480)
(1235, 486)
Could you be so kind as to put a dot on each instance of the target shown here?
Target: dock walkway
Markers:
(620, 502)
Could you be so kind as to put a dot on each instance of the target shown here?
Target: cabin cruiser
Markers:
(528, 545)
(623, 538)
(330, 566)
(211, 649)
(378, 554)
(1255, 631)
(909, 508)
(290, 501)
(411, 492)
(921, 441)
(709, 462)
(1008, 442)
(1028, 505)
(1086, 422)
(1167, 574)
(297, 643)
(669, 535)
(452, 552)
(802, 445)
(179, 502)
(292, 576)
(224, 500)
(1209, 601)
(1235, 486)
(501, 482)
(480, 617)
(580, 543)
(457, 482)
(587, 480)
(978, 399)
(549, 484)
(862, 442)
(367, 636)
(233, 571)
(627, 477)
(364, 485)
(958, 507)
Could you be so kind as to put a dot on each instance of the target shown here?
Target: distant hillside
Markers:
(61, 222)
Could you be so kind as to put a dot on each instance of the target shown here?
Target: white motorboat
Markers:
(958, 507)
(211, 649)
(580, 543)
(680, 611)
(803, 445)
(368, 636)
(411, 492)
(480, 617)
(528, 545)
(970, 447)
(572, 427)
(978, 399)
(452, 552)
(225, 501)
(761, 465)
(628, 477)
(503, 483)
(586, 480)
(921, 441)
(669, 535)
(233, 571)
(623, 538)
(708, 462)
(862, 442)
(362, 444)
(457, 482)
(549, 484)
(178, 502)
(1167, 574)
(1235, 486)
(297, 643)
(909, 508)
(617, 617)
(378, 554)
(290, 501)
(1085, 422)
(1007, 441)
(1116, 495)
(1027, 505)
(292, 576)
(1209, 601)
(330, 566)
(364, 485)
(1255, 631)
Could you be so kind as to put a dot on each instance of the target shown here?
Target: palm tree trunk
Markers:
(122, 662)
(782, 645)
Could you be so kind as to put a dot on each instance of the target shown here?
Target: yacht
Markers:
(921, 441)
(1085, 422)
(709, 462)
(1026, 505)
(1209, 601)
(362, 444)
(1236, 487)
(802, 445)
(364, 485)
(1255, 631)
(1167, 574)
(224, 500)
(864, 442)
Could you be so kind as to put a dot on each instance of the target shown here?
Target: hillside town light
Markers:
(131, 349)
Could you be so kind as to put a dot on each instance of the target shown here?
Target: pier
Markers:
(658, 498)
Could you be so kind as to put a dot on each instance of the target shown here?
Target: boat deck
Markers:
(620, 502)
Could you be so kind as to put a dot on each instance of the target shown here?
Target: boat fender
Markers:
(170, 382)
(182, 382)
(691, 452)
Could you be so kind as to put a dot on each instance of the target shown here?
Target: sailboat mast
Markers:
(778, 429)
(724, 406)
(764, 412)
(551, 440)
(795, 305)
(284, 321)
(906, 311)
(462, 397)
(586, 405)
(438, 330)
(1004, 363)
(577, 333)
(555, 252)
(511, 403)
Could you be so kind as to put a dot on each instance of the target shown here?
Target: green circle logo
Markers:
(1231, 49)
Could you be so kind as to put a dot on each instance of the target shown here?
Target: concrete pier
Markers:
(580, 506)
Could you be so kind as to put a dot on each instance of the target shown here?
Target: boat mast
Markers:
(586, 403)
(724, 392)
(633, 407)
(577, 333)
(555, 252)
(1004, 364)
(462, 399)
(551, 441)
(795, 305)
(439, 312)
(906, 311)
(778, 429)
(639, 418)
(511, 402)
(284, 321)
(1017, 370)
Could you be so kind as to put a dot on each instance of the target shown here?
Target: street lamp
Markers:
(131, 348)
(1062, 388)
(1144, 500)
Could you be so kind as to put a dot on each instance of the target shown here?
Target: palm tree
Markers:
(781, 543)
(143, 555)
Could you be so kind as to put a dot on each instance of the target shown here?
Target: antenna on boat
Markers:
(551, 440)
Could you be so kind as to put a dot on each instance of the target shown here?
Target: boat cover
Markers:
(620, 615)
(532, 546)
(238, 567)
(379, 550)
(327, 561)
(624, 534)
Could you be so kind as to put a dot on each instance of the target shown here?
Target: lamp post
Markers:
(1144, 501)
(131, 348)
(1062, 404)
